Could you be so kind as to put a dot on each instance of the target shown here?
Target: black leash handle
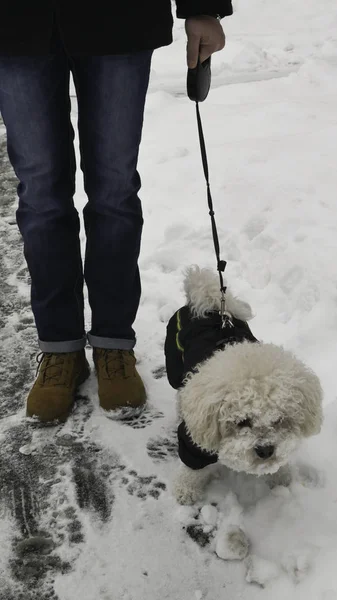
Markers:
(221, 264)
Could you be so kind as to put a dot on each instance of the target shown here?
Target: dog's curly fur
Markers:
(202, 295)
(244, 396)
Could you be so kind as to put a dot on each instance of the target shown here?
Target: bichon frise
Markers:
(243, 403)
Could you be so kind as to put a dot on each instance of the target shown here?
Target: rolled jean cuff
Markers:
(110, 343)
(62, 347)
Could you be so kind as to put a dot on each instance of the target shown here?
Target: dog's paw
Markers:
(232, 543)
(308, 476)
(283, 477)
(186, 495)
(189, 485)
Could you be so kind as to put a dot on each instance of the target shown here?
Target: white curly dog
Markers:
(243, 403)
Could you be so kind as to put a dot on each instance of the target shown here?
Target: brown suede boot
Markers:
(119, 383)
(53, 393)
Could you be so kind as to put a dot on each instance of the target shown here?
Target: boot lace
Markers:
(51, 367)
(118, 363)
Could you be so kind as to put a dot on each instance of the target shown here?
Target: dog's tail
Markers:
(202, 294)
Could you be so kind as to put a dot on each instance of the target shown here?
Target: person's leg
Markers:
(35, 106)
(111, 94)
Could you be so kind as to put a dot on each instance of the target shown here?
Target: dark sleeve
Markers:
(192, 8)
(173, 356)
(190, 454)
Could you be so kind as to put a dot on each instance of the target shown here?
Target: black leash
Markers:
(198, 86)
(221, 264)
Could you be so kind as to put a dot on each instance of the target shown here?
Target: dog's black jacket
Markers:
(190, 341)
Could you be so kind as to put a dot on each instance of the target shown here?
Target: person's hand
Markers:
(204, 36)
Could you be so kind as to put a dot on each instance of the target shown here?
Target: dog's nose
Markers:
(264, 452)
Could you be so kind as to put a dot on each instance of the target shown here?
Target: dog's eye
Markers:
(278, 422)
(245, 423)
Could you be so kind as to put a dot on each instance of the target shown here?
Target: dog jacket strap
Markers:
(179, 346)
(174, 352)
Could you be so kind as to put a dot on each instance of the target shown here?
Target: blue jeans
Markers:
(35, 106)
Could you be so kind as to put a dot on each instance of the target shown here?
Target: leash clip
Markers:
(226, 317)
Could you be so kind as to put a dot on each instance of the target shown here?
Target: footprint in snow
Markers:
(142, 487)
(159, 372)
(136, 418)
(163, 448)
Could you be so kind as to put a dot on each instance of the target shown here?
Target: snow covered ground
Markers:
(87, 510)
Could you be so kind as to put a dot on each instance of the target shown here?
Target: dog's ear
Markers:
(307, 396)
(201, 413)
(203, 426)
